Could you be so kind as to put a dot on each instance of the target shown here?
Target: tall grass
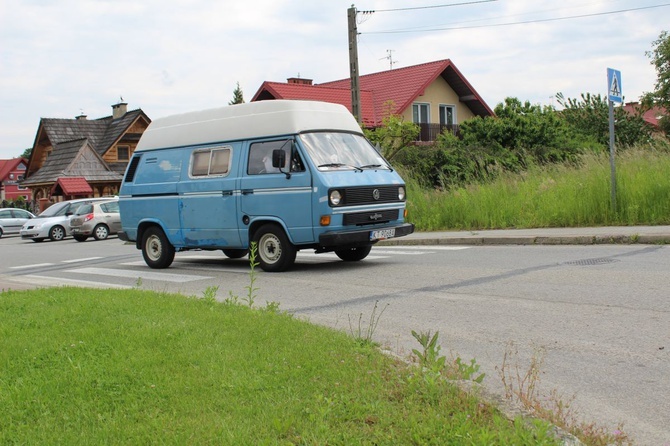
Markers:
(553, 196)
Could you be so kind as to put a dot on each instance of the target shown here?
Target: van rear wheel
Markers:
(156, 249)
(353, 254)
(275, 252)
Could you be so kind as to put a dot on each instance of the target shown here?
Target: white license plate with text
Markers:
(382, 234)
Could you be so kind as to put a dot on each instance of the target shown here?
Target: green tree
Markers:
(521, 132)
(589, 119)
(238, 97)
(660, 58)
(394, 135)
(26, 153)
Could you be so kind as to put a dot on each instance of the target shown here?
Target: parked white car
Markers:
(12, 219)
(54, 222)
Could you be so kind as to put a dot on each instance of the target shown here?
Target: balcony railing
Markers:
(429, 132)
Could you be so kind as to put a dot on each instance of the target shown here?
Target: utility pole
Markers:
(353, 64)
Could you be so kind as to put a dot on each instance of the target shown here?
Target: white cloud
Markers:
(60, 57)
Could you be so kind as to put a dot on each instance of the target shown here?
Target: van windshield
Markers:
(342, 151)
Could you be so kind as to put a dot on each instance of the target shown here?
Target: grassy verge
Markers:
(555, 196)
(81, 366)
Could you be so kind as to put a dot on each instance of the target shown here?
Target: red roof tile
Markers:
(281, 90)
(6, 166)
(651, 116)
(401, 86)
(72, 186)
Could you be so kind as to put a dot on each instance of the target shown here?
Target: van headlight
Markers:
(401, 193)
(335, 197)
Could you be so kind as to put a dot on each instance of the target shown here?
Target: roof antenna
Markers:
(390, 59)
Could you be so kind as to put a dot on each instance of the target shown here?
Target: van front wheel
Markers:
(275, 252)
(353, 254)
(235, 253)
(156, 249)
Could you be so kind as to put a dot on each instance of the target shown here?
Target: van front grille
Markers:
(370, 218)
(366, 195)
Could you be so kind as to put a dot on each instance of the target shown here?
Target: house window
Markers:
(447, 115)
(210, 162)
(123, 153)
(421, 113)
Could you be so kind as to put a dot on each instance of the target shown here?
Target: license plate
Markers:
(75, 230)
(382, 234)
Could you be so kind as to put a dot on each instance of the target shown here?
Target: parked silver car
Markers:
(54, 222)
(11, 220)
(96, 219)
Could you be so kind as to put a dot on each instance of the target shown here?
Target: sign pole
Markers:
(614, 94)
(612, 156)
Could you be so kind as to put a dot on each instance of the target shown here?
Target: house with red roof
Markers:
(434, 95)
(80, 157)
(11, 172)
(651, 116)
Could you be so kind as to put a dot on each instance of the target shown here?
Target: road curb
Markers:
(532, 240)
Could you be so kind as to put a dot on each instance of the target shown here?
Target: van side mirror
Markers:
(279, 161)
(278, 158)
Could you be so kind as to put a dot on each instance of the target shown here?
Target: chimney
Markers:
(298, 80)
(81, 117)
(118, 110)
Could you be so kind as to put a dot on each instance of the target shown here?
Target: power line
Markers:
(518, 23)
(426, 7)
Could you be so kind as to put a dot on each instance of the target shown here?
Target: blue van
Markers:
(288, 175)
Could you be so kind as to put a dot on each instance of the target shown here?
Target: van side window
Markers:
(210, 162)
(260, 157)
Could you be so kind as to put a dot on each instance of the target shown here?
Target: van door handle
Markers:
(226, 192)
(247, 191)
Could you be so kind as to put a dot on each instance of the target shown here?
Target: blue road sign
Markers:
(614, 92)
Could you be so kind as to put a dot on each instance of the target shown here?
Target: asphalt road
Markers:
(599, 314)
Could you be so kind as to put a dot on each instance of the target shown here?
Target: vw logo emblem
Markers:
(375, 194)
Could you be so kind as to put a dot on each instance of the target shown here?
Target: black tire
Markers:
(80, 238)
(235, 253)
(275, 252)
(157, 251)
(354, 254)
(100, 232)
(0, 233)
(57, 233)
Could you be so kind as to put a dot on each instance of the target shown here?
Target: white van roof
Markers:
(251, 120)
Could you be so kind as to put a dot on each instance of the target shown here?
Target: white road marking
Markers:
(421, 247)
(134, 274)
(55, 281)
(35, 265)
(81, 260)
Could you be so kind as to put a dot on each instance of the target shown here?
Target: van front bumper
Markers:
(364, 236)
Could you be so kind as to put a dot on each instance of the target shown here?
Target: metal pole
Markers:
(612, 154)
(353, 63)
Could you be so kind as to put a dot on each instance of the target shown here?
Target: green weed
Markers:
(365, 335)
(522, 385)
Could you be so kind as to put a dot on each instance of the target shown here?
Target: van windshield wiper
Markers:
(340, 165)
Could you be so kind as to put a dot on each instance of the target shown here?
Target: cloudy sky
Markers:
(61, 58)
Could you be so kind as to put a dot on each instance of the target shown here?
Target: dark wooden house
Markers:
(74, 158)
